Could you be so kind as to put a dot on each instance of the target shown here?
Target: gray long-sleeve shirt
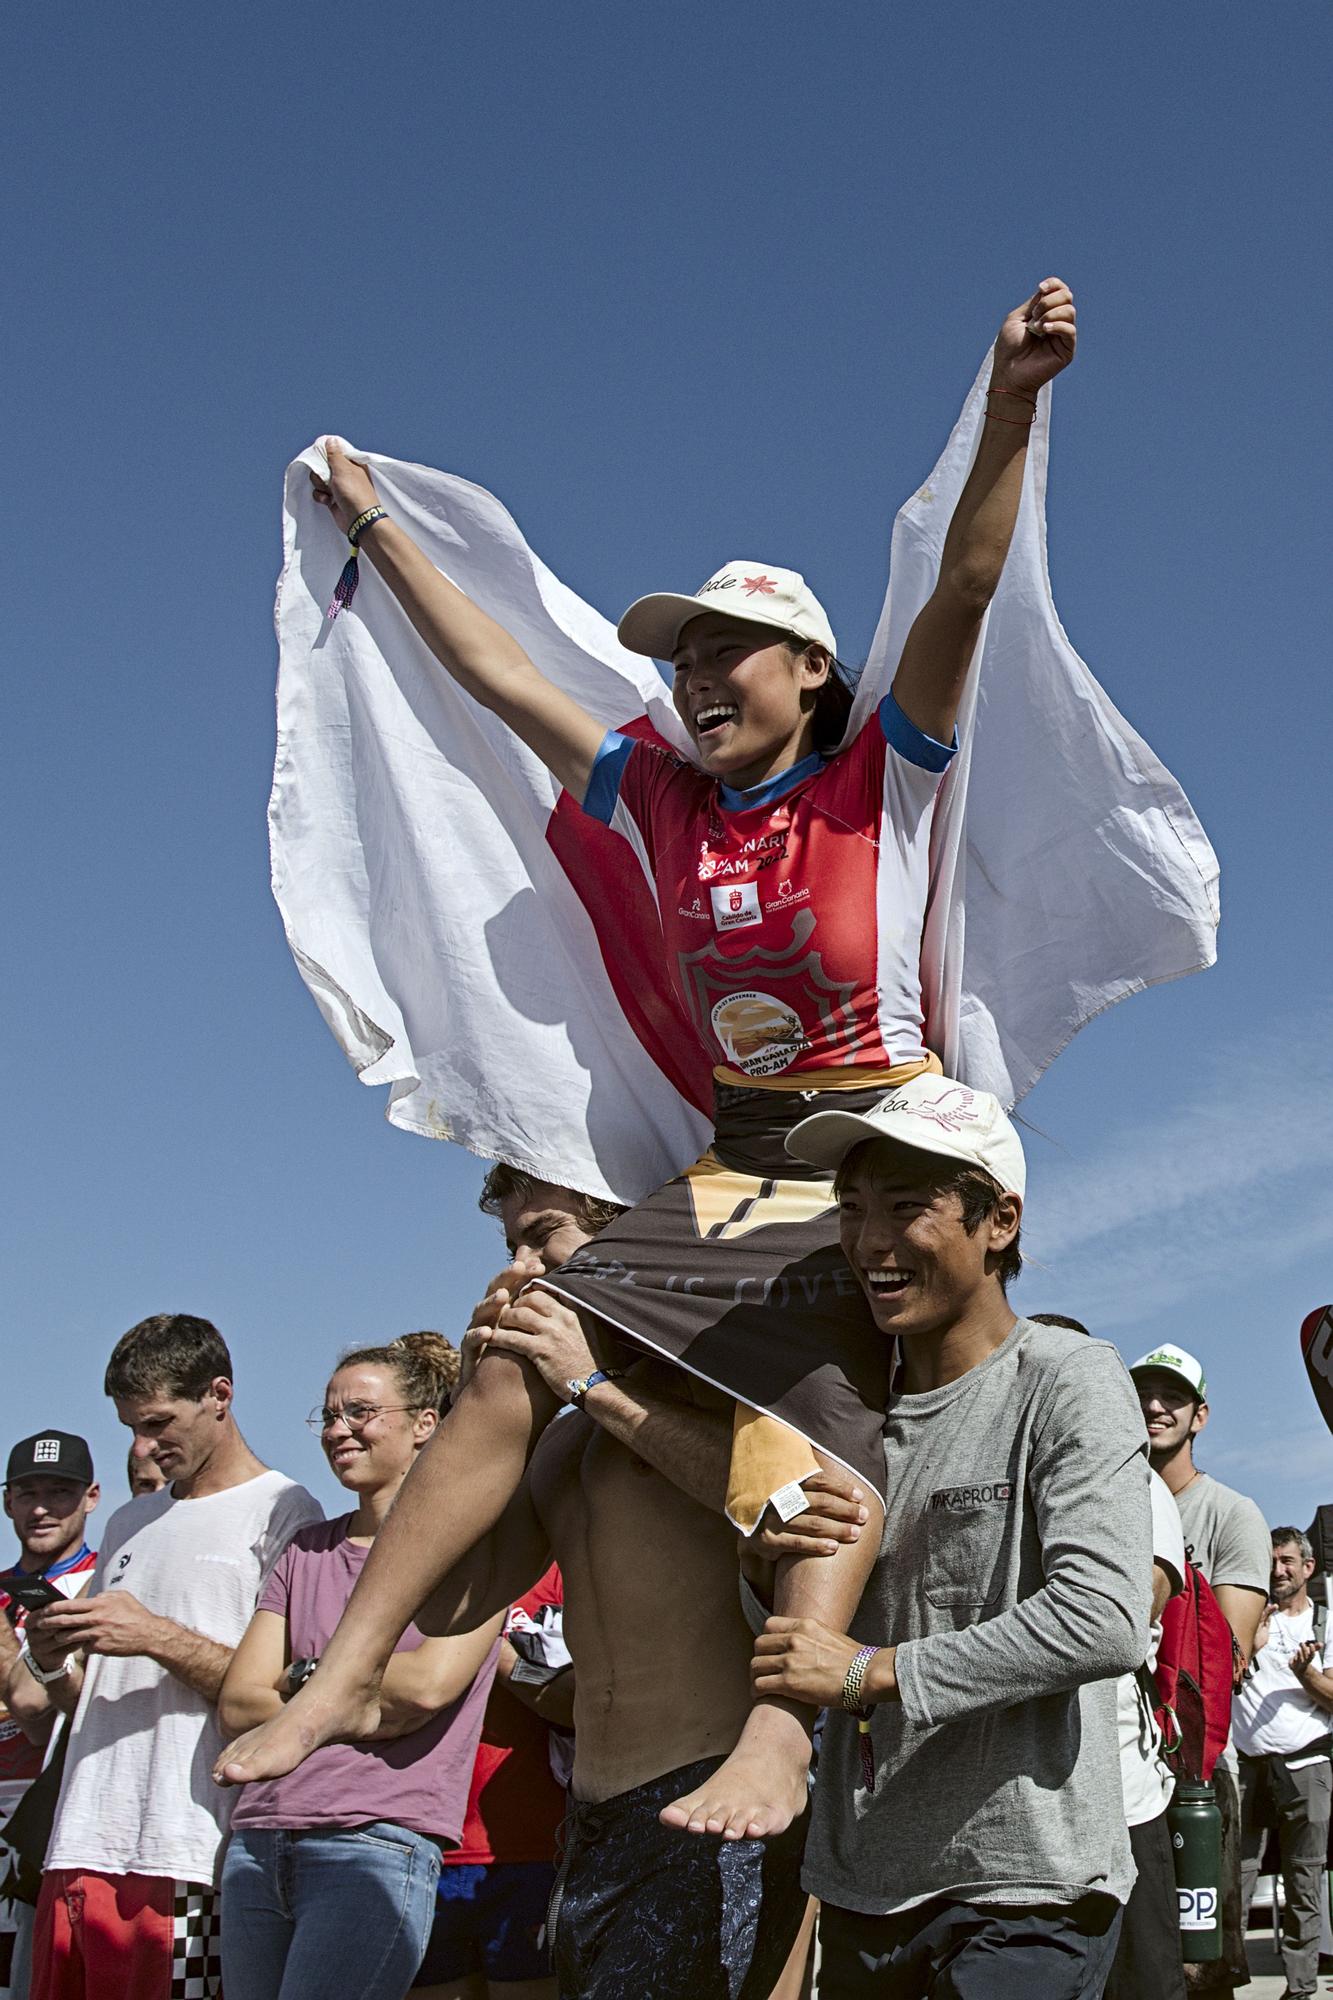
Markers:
(1015, 1579)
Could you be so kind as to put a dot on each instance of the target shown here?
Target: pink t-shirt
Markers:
(418, 1781)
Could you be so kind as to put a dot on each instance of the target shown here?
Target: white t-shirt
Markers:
(138, 1797)
(1145, 1780)
(1273, 1715)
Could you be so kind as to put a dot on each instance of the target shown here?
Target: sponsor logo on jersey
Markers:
(788, 895)
(758, 1032)
(962, 1499)
(696, 909)
(761, 850)
(735, 905)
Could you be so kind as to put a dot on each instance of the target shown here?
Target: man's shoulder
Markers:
(1047, 1352)
(1208, 1494)
(133, 1517)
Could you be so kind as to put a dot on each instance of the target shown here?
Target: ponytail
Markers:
(425, 1364)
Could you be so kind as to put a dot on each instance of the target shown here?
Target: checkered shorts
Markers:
(196, 1943)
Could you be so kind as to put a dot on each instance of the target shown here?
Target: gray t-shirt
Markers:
(1227, 1538)
(1225, 1534)
(1015, 1579)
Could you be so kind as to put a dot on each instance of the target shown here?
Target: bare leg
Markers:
(455, 1493)
(794, 1982)
(761, 1787)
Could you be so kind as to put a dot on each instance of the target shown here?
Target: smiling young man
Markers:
(968, 1835)
(127, 1904)
(49, 1493)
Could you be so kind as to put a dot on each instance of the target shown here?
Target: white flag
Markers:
(488, 952)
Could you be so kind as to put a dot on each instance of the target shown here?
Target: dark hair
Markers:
(425, 1364)
(171, 1353)
(1059, 1319)
(504, 1182)
(832, 705)
(1297, 1537)
(978, 1196)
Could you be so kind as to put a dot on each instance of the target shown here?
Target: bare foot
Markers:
(759, 1790)
(312, 1717)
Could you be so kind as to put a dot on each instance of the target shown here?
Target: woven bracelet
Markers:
(345, 588)
(851, 1701)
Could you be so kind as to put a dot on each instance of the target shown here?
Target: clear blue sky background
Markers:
(675, 283)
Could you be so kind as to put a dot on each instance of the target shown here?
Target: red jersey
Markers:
(515, 1807)
(20, 1760)
(792, 913)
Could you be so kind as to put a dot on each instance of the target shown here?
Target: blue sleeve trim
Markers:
(913, 743)
(608, 768)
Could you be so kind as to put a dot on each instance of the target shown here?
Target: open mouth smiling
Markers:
(886, 1283)
(714, 716)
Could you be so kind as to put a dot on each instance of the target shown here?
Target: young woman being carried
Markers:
(790, 871)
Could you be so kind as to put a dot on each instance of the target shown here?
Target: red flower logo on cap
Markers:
(759, 586)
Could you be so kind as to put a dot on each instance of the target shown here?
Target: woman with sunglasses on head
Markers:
(329, 1881)
(789, 866)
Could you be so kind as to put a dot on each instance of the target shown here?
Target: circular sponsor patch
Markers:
(761, 1034)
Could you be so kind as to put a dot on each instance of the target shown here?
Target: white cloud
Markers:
(1161, 1210)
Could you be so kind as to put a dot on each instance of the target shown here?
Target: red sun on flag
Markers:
(758, 586)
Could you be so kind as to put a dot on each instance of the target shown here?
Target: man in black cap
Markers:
(49, 1493)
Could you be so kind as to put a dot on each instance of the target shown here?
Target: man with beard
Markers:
(1280, 1727)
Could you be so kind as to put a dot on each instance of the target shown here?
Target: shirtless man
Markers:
(661, 1647)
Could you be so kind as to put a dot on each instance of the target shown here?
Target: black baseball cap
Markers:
(51, 1455)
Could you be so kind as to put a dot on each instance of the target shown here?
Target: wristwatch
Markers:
(40, 1673)
(577, 1388)
(296, 1676)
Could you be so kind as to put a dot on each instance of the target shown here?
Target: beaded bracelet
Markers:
(345, 588)
(851, 1701)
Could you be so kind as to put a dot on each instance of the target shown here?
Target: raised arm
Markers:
(1034, 344)
(476, 652)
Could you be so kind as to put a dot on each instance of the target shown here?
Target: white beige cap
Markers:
(759, 593)
(1174, 1361)
(932, 1113)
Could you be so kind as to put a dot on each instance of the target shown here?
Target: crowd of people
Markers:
(524, 1721)
(990, 1795)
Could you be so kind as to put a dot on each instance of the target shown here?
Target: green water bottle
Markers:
(1195, 1826)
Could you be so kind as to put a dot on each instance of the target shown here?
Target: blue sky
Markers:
(674, 283)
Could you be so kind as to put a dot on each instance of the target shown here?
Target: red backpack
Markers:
(1193, 1680)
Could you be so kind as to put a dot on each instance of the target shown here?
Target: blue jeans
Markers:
(326, 1910)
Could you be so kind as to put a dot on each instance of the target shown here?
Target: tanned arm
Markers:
(418, 1684)
(552, 1700)
(473, 650)
(250, 1689)
(1034, 344)
(116, 1623)
(1242, 1609)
